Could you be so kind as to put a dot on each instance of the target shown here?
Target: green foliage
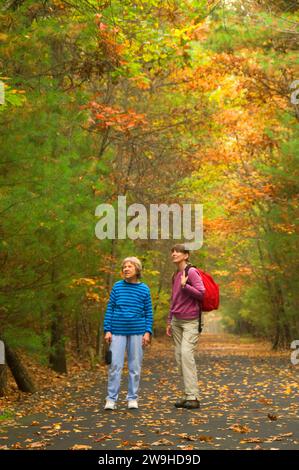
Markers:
(6, 415)
(26, 339)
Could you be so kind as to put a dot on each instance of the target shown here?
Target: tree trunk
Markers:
(21, 376)
(3, 380)
(57, 359)
(281, 328)
(100, 342)
(282, 338)
(160, 285)
(78, 338)
(43, 330)
(103, 347)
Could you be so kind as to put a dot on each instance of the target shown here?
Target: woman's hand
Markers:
(168, 330)
(146, 339)
(108, 337)
(184, 279)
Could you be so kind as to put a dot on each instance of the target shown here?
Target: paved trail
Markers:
(249, 400)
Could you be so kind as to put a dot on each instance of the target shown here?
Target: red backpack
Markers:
(211, 297)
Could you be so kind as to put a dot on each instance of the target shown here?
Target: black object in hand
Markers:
(108, 357)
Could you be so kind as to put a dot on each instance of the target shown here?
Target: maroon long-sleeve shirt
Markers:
(185, 301)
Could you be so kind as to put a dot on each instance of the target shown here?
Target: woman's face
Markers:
(177, 256)
(129, 270)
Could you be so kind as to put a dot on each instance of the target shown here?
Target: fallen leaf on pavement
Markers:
(240, 428)
(163, 442)
(272, 417)
(80, 447)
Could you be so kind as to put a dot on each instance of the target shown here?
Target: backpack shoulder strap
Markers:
(189, 265)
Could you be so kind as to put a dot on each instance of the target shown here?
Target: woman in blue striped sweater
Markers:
(128, 327)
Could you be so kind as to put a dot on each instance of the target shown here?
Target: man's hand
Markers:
(146, 339)
(168, 330)
(108, 337)
(184, 279)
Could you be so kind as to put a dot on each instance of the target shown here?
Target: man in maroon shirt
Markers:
(182, 323)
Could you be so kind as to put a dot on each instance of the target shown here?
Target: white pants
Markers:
(118, 347)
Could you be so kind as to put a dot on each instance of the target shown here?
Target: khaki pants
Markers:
(185, 335)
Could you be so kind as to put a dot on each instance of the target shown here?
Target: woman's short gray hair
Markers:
(136, 262)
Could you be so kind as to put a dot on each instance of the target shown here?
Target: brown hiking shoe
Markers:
(191, 404)
(180, 403)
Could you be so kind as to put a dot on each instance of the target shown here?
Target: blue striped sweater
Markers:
(129, 310)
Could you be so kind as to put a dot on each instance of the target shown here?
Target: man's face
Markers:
(129, 270)
(177, 256)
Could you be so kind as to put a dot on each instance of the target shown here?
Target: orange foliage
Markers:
(104, 116)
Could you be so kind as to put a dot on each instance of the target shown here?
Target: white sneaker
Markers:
(133, 404)
(110, 405)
